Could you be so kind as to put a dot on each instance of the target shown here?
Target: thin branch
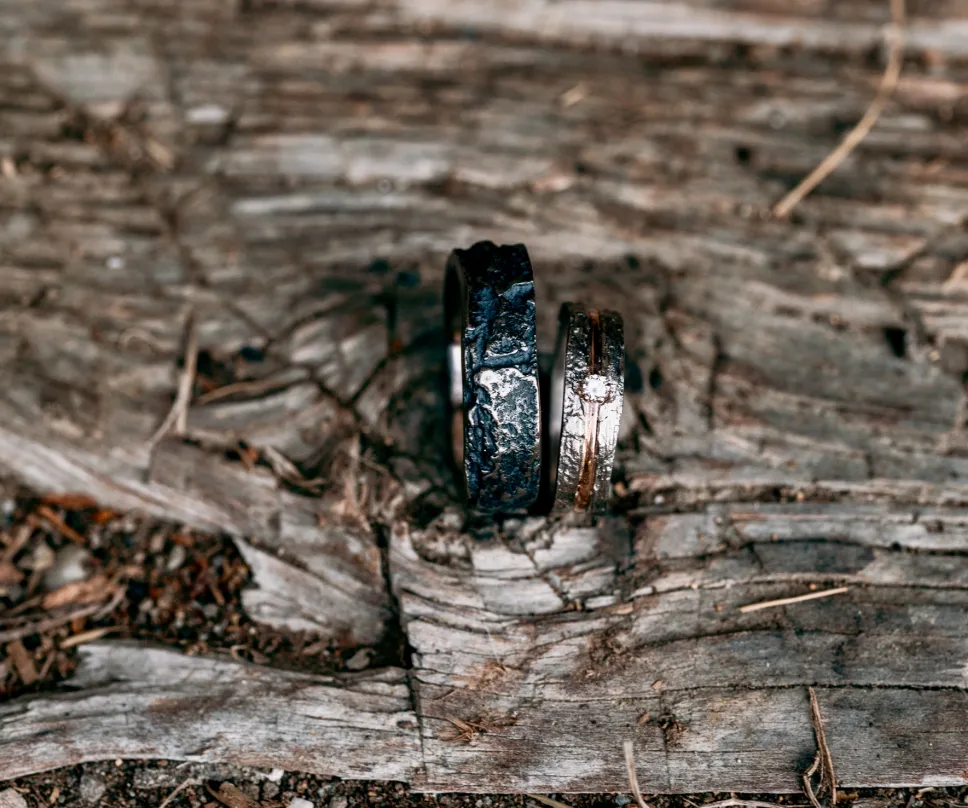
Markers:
(769, 604)
(119, 594)
(807, 786)
(823, 761)
(177, 419)
(826, 759)
(87, 636)
(181, 787)
(47, 624)
(892, 72)
(45, 516)
(549, 801)
(734, 802)
(633, 777)
(254, 386)
(95, 610)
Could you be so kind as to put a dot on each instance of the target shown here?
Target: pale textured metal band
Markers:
(493, 364)
(587, 389)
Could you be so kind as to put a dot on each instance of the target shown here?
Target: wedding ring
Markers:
(492, 362)
(587, 388)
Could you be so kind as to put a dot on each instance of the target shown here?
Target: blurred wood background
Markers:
(271, 188)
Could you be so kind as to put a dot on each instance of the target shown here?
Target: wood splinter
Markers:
(769, 604)
(823, 762)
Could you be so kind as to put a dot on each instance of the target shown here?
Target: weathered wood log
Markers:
(536, 653)
(142, 702)
(548, 647)
(293, 175)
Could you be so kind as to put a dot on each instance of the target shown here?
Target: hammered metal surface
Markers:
(490, 298)
(588, 390)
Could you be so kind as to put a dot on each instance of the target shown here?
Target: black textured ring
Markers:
(587, 389)
(493, 366)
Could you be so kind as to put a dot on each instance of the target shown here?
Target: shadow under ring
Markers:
(587, 391)
(492, 361)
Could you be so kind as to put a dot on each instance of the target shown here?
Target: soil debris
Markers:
(133, 579)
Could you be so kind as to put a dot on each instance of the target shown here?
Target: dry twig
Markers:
(21, 535)
(468, 730)
(734, 802)
(40, 626)
(633, 777)
(87, 636)
(464, 731)
(549, 801)
(769, 604)
(9, 574)
(822, 762)
(88, 591)
(45, 668)
(177, 419)
(254, 387)
(45, 516)
(71, 501)
(895, 40)
(178, 789)
(23, 662)
(119, 594)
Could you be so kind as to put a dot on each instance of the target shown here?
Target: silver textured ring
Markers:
(587, 389)
(492, 362)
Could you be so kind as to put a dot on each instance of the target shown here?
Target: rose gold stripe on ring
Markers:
(586, 478)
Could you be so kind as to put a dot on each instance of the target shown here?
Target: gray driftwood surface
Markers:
(291, 176)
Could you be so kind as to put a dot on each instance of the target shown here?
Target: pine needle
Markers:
(892, 72)
(633, 777)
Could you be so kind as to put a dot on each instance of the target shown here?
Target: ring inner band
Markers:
(454, 325)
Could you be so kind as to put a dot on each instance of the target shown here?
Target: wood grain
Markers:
(295, 175)
(558, 647)
(142, 702)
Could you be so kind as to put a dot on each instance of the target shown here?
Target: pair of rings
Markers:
(495, 395)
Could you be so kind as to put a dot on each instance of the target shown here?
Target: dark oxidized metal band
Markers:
(493, 365)
(587, 388)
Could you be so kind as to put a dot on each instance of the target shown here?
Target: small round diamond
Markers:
(596, 389)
